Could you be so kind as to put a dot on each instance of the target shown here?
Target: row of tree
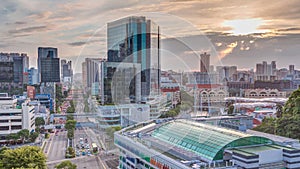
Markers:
(23, 136)
(287, 122)
(186, 103)
(70, 126)
(71, 109)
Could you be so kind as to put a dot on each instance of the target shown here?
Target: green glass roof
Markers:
(205, 140)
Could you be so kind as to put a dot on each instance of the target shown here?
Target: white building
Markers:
(122, 115)
(13, 119)
(264, 93)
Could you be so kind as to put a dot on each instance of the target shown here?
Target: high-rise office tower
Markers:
(292, 69)
(273, 63)
(259, 68)
(204, 62)
(66, 70)
(13, 67)
(136, 39)
(48, 64)
(91, 72)
(84, 74)
(265, 71)
(33, 76)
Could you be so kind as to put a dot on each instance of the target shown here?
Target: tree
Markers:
(70, 109)
(33, 136)
(279, 110)
(230, 109)
(70, 117)
(288, 122)
(70, 133)
(66, 165)
(70, 124)
(24, 157)
(39, 121)
(2, 150)
(13, 136)
(24, 134)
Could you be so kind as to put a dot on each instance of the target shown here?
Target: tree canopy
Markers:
(39, 121)
(23, 157)
(66, 165)
(288, 122)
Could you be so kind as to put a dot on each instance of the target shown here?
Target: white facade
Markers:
(13, 119)
(122, 115)
(263, 93)
(157, 105)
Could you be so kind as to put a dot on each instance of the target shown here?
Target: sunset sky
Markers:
(235, 32)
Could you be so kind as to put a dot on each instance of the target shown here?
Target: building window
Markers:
(4, 128)
(3, 121)
(16, 120)
(16, 127)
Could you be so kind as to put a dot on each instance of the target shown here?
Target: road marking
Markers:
(49, 142)
(101, 162)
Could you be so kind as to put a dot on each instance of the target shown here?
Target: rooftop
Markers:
(188, 140)
(275, 138)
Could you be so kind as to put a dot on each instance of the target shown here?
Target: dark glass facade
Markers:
(6, 71)
(50, 70)
(136, 40)
(12, 67)
(48, 64)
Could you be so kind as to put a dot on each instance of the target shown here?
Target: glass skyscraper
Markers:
(136, 39)
(48, 64)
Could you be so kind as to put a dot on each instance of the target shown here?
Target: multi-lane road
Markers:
(82, 162)
(57, 146)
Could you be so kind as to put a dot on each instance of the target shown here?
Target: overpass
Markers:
(78, 125)
(76, 115)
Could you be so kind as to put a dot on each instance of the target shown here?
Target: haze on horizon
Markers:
(236, 33)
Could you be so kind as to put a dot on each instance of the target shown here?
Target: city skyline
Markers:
(247, 33)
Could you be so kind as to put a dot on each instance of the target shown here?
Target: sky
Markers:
(235, 32)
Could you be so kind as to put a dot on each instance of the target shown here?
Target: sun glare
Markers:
(245, 26)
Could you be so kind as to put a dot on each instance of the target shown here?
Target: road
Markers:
(57, 146)
(82, 162)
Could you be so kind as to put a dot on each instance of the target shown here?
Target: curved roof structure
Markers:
(209, 142)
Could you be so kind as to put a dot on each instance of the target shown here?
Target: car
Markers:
(89, 153)
(83, 153)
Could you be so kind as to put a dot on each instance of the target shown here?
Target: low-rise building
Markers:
(45, 100)
(14, 118)
(184, 144)
(264, 93)
(122, 115)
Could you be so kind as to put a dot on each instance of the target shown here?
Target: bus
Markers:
(95, 148)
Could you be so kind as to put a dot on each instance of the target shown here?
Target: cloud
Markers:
(69, 24)
(77, 43)
(228, 50)
(81, 43)
(29, 29)
(20, 23)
